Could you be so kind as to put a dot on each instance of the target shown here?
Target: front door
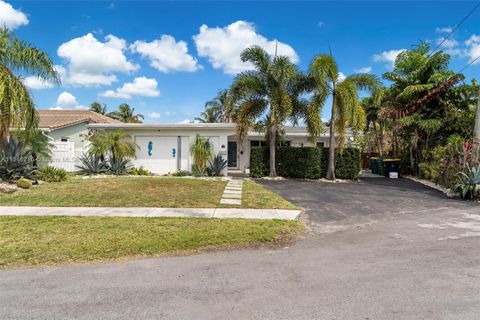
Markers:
(232, 154)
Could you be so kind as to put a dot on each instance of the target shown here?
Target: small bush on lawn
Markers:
(51, 174)
(23, 183)
(139, 172)
(181, 173)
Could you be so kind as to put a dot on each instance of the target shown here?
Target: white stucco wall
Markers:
(75, 134)
(164, 165)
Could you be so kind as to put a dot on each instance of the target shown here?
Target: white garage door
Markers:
(159, 154)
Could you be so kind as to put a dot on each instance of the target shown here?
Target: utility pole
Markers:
(476, 134)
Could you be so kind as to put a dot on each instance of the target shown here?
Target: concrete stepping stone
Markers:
(231, 201)
(232, 196)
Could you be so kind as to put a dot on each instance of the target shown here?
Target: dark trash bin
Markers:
(391, 165)
(374, 165)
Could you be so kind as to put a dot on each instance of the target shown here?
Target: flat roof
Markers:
(162, 126)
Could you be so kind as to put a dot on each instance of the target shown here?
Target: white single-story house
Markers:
(165, 148)
(67, 131)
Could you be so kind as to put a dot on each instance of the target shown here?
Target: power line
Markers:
(454, 29)
(469, 64)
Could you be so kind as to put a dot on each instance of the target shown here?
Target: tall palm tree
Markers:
(16, 105)
(264, 92)
(126, 114)
(219, 109)
(98, 108)
(347, 111)
(476, 134)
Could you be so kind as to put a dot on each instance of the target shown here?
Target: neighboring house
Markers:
(67, 131)
(164, 148)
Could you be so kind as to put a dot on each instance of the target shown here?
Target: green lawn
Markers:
(141, 192)
(28, 241)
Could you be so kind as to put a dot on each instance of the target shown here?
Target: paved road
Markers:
(408, 263)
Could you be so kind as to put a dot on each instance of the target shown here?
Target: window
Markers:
(258, 143)
(284, 144)
(64, 139)
(321, 144)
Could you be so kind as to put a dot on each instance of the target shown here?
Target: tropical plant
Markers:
(23, 183)
(266, 93)
(112, 144)
(37, 143)
(219, 109)
(98, 108)
(17, 108)
(91, 164)
(201, 150)
(15, 161)
(209, 115)
(119, 166)
(216, 165)
(51, 174)
(126, 114)
(346, 109)
(181, 173)
(468, 184)
(476, 134)
(139, 171)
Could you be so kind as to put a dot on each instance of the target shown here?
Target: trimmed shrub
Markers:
(347, 163)
(302, 163)
(259, 162)
(181, 173)
(139, 171)
(51, 174)
(23, 183)
(305, 162)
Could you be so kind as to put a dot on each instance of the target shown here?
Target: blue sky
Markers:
(167, 58)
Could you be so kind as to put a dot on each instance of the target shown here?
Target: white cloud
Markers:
(154, 115)
(166, 55)
(222, 46)
(473, 47)
(320, 24)
(36, 83)
(92, 63)
(10, 17)
(444, 30)
(448, 43)
(67, 100)
(387, 56)
(141, 86)
(170, 113)
(341, 76)
(185, 121)
(364, 70)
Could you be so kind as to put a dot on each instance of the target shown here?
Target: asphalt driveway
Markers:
(379, 249)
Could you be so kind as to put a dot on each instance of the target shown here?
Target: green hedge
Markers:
(347, 163)
(305, 162)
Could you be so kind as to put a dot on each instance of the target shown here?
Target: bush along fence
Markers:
(305, 162)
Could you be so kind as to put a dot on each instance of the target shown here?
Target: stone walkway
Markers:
(221, 213)
(233, 192)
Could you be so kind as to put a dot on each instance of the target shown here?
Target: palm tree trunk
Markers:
(4, 131)
(476, 136)
(273, 146)
(331, 147)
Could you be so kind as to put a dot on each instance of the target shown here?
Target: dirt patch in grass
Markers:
(32, 241)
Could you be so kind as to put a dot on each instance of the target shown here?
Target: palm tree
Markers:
(118, 145)
(209, 115)
(37, 144)
(16, 105)
(98, 108)
(347, 111)
(126, 114)
(265, 92)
